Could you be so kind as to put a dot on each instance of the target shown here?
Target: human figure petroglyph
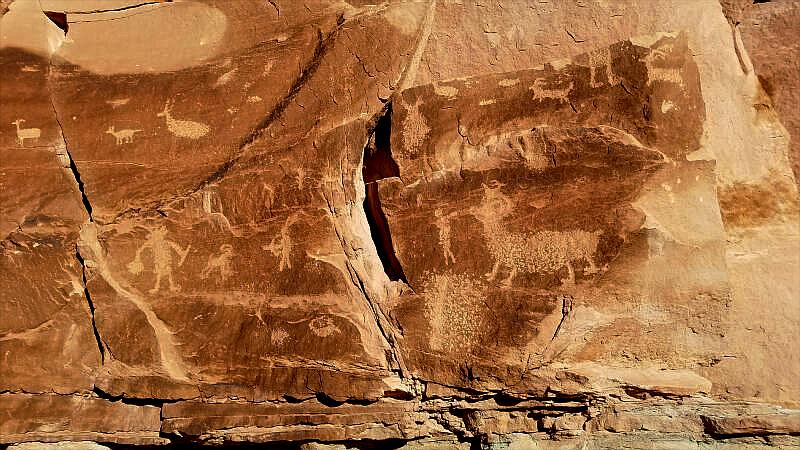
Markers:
(281, 245)
(540, 92)
(443, 223)
(161, 249)
(25, 133)
(220, 263)
(182, 128)
(543, 251)
(597, 60)
(300, 176)
(122, 136)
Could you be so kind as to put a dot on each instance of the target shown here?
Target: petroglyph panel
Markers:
(530, 199)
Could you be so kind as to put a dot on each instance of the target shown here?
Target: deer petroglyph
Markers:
(25, 133)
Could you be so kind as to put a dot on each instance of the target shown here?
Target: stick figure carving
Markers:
(122, 136)
(443, 223)
(281, 246)
(161, 249)
(25, 133)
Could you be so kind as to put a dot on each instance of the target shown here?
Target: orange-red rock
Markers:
(408, 224)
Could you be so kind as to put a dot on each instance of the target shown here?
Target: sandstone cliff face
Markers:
(442, 224)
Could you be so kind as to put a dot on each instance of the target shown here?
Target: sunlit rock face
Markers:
(417, 225)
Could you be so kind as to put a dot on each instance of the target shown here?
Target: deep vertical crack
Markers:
(378, 165)
(76, 176)
(100, 344)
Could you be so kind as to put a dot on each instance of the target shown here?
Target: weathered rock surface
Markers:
(331, 225)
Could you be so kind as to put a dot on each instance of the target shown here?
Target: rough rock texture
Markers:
(440, 224)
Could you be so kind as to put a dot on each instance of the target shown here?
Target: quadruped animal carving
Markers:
(123, 136)
(543, 251)
(25, 133)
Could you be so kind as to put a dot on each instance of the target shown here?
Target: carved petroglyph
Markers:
(182, 128)
(25, 133)
(278, 337)
(531, 146)
(601, 59)
(116, 103)
(281, 245)
(122, 136)
(454, 307)
(161, 249)
(508, 82)
(654, 60)
(225, 78)
(93, 252)
(541, 90)
(323, 326)
(445, 91)
(415, 128)
(220, 263)
(540, 252)
(443, 223)
(667, 106)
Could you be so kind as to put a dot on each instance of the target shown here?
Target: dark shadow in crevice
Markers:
(333, 403)
(59, 19)
(131, 400)
(378, 160)
(378, 165)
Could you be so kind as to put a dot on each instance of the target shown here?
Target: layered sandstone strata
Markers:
(435, 224)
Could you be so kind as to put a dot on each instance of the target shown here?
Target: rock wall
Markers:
(439, 224)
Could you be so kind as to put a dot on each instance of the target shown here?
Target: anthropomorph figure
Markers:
(161, 249)
(281, 246)
(443, 223)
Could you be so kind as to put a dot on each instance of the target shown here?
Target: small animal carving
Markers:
(182, 128)
(220, 263)
(540, 92)
(122, 136)
(25, 133)
(544, 251)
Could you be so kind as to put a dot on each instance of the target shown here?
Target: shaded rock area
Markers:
(335, 225)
